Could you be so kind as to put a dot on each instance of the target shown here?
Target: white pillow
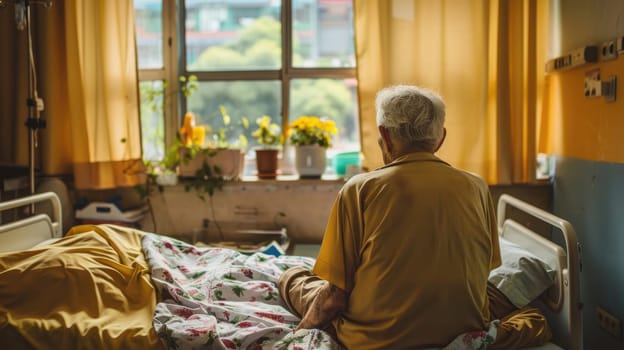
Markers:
(522, 276)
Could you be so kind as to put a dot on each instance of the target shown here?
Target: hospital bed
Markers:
(157, 305)
(561, 302)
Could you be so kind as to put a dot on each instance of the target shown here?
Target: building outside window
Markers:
(281, 58)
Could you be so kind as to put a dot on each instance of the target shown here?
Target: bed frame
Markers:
(28, 231)
(561, 303)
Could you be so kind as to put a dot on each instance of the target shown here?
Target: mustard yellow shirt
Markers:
(412, 243)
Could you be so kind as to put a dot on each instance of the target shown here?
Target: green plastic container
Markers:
(344, 159)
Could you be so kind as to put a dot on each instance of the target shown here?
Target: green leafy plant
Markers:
(220, 138)
(207, 178)
(188, 84)
(150, 185)
(153, 94)
(154, 170)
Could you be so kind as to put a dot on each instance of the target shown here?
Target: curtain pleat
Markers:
(105, 108)
(87, 76)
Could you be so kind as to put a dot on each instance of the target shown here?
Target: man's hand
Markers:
(329, 303)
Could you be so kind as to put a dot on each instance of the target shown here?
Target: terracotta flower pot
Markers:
(266, 163)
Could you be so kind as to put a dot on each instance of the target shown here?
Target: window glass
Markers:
(333, 99)
(239, 100)
(152, 120)
(323, 34)
(225, 42)
(233, 35)
(149, 34)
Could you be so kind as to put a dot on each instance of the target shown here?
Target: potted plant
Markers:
(268, 137)
(311, 137)
(204, 157)
(163, 172)
(226, 158)
(197, 143)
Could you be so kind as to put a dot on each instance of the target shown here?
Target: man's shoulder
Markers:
(368, 179)
(477, 180)
(383, 175)
(361, 178)
(471, 175)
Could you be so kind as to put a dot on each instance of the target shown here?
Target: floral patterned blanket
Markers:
(218, 298)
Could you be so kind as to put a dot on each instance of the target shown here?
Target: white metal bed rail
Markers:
(57, 219)
(573, 260)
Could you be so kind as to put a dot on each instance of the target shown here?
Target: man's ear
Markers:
(441, 141)
(387, 140)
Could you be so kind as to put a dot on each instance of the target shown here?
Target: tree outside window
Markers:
(247, 62)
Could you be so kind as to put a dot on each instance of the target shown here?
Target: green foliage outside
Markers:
(259, 47)
(152, 119)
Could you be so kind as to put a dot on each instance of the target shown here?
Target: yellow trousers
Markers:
(518, 328)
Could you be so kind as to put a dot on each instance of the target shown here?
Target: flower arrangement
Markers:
(312, 130)
(267, 134)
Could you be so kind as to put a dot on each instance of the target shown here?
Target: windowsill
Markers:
(281, 182)
(245, 179)
(291, 178)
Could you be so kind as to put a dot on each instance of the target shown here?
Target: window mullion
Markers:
(151, 74)
(336, 73)
(286, 60)
(170, 45)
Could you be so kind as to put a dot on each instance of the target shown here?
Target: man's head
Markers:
(409, 119)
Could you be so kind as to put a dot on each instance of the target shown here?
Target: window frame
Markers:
(174, 65)
(168, 72)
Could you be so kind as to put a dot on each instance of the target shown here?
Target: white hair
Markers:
(412, 114)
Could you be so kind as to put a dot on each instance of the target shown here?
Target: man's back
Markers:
(419, 245)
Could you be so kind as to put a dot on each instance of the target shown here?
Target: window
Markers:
(152, 35)
(278, 58)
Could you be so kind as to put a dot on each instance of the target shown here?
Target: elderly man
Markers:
(408, 247)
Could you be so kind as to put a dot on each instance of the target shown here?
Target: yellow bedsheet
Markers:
(89, 290)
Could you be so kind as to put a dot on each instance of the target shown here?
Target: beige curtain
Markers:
(484, 57)
(104, 107)
(86, 63)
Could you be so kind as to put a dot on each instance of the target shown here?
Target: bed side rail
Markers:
(57, 218)
(571, 283)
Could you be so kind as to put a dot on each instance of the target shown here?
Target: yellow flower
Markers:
(225, 115)
(311, 130)
(221, 137)
(268, 133)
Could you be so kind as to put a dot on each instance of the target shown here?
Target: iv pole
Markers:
(34, 104)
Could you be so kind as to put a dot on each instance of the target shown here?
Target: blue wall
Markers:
(590, 195)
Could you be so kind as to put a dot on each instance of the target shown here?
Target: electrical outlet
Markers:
(578, 57)
(593, 84)
(608, 50)
(609, 322)
(609, 88)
